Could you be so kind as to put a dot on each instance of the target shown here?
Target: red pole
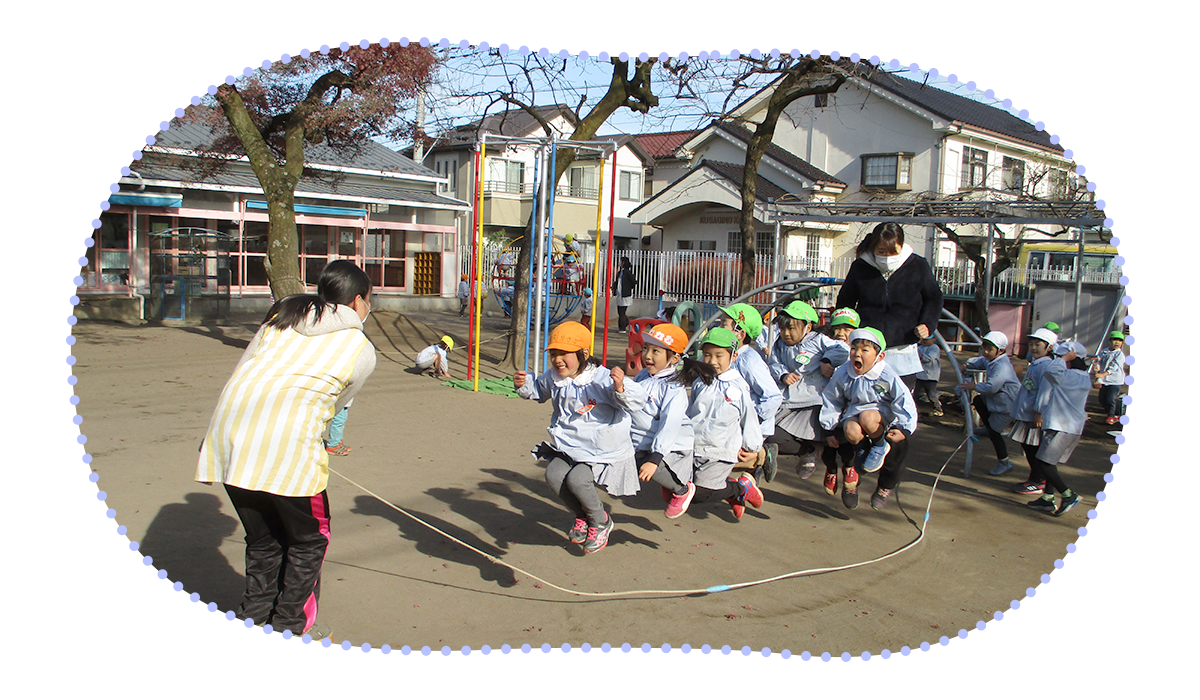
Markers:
(612, 202)
(471, 275)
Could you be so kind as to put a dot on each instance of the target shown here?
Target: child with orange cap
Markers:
(589, 431)
(662, 432)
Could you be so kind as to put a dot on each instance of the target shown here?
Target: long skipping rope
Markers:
(673, 592)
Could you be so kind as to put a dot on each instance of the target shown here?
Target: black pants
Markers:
(704, 495)
(1040, 471)
(622, 317)
(286, 539)
(890, 473)
(997, 439)
(1110, 399)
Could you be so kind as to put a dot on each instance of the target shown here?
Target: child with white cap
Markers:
(1062, 402)
(438, 353)
(661, 431)
(931, 372)
(1110, 376)
(867, 404)
(589, 431)
(1026, 429)
(995, 396)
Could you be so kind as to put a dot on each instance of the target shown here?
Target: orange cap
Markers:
(570, 337)
(666, 335)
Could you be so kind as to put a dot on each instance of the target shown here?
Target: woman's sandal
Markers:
(339, 449)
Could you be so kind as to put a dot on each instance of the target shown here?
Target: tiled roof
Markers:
(764, 189)
(152, 168)
(664, 144)
(192, 134)
(512, 122)
(782, 155)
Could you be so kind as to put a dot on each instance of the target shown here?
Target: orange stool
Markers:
(309, 652)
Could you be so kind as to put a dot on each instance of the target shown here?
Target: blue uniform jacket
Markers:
(1062, 397)
(662, 426)
(590, 422)
(764, 392)
(723, 418)
(880, 389)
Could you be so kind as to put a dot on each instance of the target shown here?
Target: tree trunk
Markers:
(283, 246)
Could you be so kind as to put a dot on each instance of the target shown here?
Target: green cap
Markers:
(801, 311)
(1052, 326)
(722, 338)
(746, 317)
(1118, 335)
(845, 317)
(871, 334)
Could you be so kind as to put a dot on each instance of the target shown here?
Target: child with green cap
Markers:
(724, 423)
(1109, 369)
(802, 361)
(866, 404)
(746, 324)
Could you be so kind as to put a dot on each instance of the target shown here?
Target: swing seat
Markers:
(310, 652)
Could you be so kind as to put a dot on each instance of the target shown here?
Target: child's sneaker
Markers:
(937, 413)
(752, 494)
(597, 537)
(874, 457)
(804, 468)
(771, 461)
(283, 640)
(738, 502)
(679, 504)
(1004, 466)
(1044, 504)
(879, 498)
(578, 534)
(1028, 488)
(831, 482)
(249, 633)
(1068, 502)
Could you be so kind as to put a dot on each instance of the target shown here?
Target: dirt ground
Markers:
(461, 461)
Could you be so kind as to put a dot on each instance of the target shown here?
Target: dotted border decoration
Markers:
(605, 648)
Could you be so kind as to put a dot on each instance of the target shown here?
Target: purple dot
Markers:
(1128, 381)
(905, 651)
(766, 651)
(1045, 578)
(70, 340)
(1130, 360)
(1120, 439)
(646, 648)
(585, 647)
(1092, 514)
(998, 616)
(886, 653)
(1114, 459)
(826, 656)
(1115, 241)
(327, 642)
(426, 651)
(1040, 126)
(1054, 139)
(1068, 153)
(1101, 496)
(485, 649)
(989, 93)
(1058, 563)
(734, 54)
(195, 597)
(865, 656)
(386, 648)
(545, 648)
(525, 648)
(101, 495)
(924, 646)
(1130, 340)
(625, 647)
(81, 439)
(121, 530)
(70, 359)
(786, 653)
(465, 651)
(248, 622)
(110, 513)
(72, 380)
(663, 57)
(507, 649)
(74, 400)
(603, 56)
(1082, 531)
(212, 607)
(133, 546)
(686, 648)
(805, 656)
(229, 615)
(894, 64)
(644, 56)
(746, 651)
(606, 647)
(71, 320)
(147, 561)
(87, 459)
(178, 586)
(726, 649)
(565, 648)
(77, 419)
(874, 60)
(1030, 592)
(93, 477)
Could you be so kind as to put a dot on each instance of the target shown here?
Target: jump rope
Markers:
(678, 592)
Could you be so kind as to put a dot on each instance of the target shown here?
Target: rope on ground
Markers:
(681, 591)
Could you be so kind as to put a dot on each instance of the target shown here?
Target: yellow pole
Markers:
(479, 254)
(596, 262)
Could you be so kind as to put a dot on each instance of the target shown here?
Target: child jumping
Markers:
(801, 362)
(744, 321)
(931, 372)
(724, 423)
(995, 397)
(437, 357)
(867, 405)
(1026, 429)
(1062, 401)
(661, 431)
(1110, 376)
(589, 431)
(305, 363)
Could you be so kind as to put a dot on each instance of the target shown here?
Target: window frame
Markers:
(903, 161)
(973, 164)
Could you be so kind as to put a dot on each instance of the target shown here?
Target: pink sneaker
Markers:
(679, 504)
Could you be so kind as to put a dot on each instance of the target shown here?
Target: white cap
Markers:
(997, 338)
(1068, 346)
(1045, 334)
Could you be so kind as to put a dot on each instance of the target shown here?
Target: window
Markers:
(974, 168)
(812, 256)
(630, 184)
(1014, 174)
(697, 245)
(821, 100)
(891, 171)
(448, 168)
(108, 263)
(505, 176)
(764, 242)
(1059, 184)
(582, 182)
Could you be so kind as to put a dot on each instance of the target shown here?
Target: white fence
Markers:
(707, 277)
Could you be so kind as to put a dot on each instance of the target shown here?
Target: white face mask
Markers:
(891, 263)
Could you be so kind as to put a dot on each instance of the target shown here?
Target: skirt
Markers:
(1057, 446)
(618, 478)
(678, 463)
(1025, 433)
(711, 473)
(800, 423)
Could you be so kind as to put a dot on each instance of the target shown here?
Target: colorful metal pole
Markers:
(608, 266)
(596, 260)
(479, 259)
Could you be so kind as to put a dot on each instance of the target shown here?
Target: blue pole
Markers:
(549, 242)
(530, 243)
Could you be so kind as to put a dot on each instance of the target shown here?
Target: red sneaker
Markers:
(831, 481)
(753, 495)
(679, 504)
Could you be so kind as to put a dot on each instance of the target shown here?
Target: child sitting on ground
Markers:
(744, 321)
(995, 397)
(931, 372)
(724, 423)
(1062, 400)
(802, 361)
(867, 405)
(589, 431)
(661, 431)
(437, 357)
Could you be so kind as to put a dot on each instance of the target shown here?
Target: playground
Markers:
(460, 462)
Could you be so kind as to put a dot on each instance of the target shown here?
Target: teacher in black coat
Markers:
(894, 290)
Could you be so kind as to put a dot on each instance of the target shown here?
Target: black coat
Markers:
(897, 305)
(624, 284)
